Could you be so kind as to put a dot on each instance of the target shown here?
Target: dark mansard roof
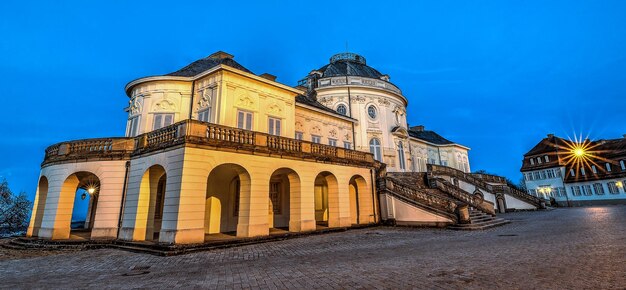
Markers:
(428, 136)
(348, 64)
(207, 63)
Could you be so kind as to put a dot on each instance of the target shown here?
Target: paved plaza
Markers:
(559, 249)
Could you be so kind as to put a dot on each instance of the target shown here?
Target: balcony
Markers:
(202, 135)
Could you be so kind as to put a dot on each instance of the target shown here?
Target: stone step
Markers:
(482, 218)
(480, 226)
(12, 247)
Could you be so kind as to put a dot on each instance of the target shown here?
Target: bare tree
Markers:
(14, 209)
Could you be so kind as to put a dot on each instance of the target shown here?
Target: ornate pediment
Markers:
(164, 105)
(245, 102)
(135, 106)
(400, 132)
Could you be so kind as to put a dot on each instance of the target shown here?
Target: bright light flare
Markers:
(581, 153)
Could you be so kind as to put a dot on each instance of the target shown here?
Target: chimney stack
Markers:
(268, 77)
(419, 128)
(221, 55)
(550, 135)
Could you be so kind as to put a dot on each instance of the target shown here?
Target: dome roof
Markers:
(348, 64)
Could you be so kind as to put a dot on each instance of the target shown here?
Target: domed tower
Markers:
(351, 87)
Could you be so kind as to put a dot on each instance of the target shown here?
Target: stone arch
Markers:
(39, 206)
(59, 225)
(284, 194)
(361, 206)
(478, 197)
(326, 193)
(226, 184)
(501, 203)
(150, 204)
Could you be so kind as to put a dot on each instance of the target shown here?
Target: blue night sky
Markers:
(496, 76)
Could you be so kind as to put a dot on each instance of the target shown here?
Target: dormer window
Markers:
(571, 172)
(582, 171)
(621, 163)
(546, 158)
(532, 161)
(593, 168)
(608, 167)
(538, 160)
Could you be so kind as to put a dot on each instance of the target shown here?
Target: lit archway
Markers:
(284, 193)
(150, 203)
(39, 206)
(326, 196)
(77, 204)
(225, 185)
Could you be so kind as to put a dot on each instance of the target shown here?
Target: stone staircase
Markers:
(479, 221)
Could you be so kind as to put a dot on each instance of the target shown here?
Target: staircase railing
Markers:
(478, 181)
(438, 204)
(462, 195)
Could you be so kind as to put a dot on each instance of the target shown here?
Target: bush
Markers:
(14, 210)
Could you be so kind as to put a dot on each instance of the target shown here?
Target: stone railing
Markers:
(434, 170)
(212, 136)
(490, 178)
(447, 187)
(439, 204)
(519, 195)
(358, 81)
(91, 149)
(480, 181)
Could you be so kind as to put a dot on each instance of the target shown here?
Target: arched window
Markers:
(341, 109)
(375, 148)
(401, 155)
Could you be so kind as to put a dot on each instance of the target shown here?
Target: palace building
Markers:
(213, 149)
(577, 173)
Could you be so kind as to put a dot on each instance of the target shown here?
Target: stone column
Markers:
(254, 205)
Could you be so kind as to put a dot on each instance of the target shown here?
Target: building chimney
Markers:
(221, 55)
(419, 128)
(268, 77)
(550, 135)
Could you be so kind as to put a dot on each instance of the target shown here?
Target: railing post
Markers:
(260, 139)
(64, 149)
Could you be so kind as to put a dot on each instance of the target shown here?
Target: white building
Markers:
(551, 171)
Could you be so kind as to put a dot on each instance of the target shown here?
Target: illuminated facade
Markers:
(577, 173)
(213, 149)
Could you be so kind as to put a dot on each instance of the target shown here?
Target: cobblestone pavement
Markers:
(559, 249)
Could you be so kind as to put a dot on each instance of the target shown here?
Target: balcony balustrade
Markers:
(211, 136)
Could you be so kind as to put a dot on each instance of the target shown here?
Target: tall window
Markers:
(332, 142)
(608, 167)
(576, 191)
(557, 172)
(347, 145)
(542, 174)
(244, 120)
(316, 139)
(401, 155)
(550, 173)
(613, 188)
(274, 126)
(375, 149)
(275, 198)
(133, 126)
(587, 189)
(341, 109)
(598, 188)
(204, 115)
(536, 175)
(562, 191)
(162, 120)
(299, 135)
